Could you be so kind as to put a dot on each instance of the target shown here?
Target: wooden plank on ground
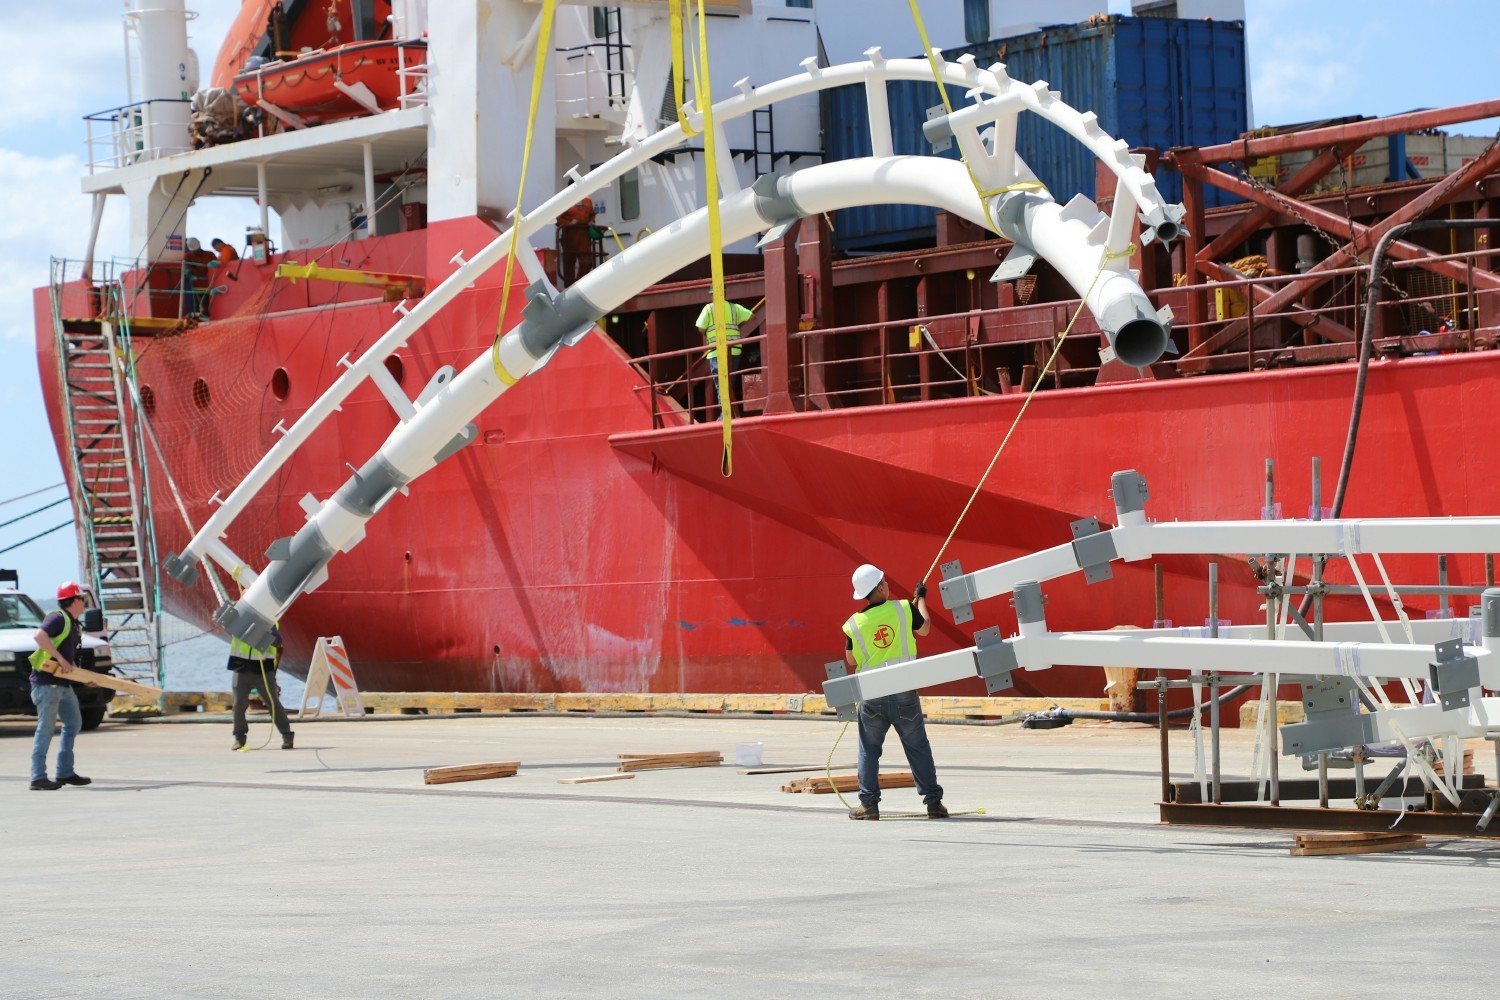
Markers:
(1326, 845)
(799, 767)
(82, 676)
(470, 772)
(659, 761)
(1334, 836)
(848, 783)
(594, 777)
(671, 756)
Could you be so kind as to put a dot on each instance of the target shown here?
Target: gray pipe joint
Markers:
(1490, 602)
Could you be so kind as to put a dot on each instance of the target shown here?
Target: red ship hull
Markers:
(576, 548)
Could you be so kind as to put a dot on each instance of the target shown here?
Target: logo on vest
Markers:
(884, 636)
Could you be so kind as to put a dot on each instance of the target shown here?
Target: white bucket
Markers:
(748, 754)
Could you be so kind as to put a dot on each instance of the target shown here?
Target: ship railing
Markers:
(1326, 323)
(412, 74)
(587, 87)
(996, 351)
(130, 292)
(684, 391)
(133, 133)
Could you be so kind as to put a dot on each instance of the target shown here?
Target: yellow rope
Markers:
(543, 53)
(1062, 337)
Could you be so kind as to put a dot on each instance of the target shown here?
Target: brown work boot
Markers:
(239, 743)
(865, 812)
(286, 741)
(936, 810)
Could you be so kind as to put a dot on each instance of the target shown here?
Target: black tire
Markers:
(92, 717)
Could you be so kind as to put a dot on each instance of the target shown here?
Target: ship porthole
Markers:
(396, 368)
(148, 400)
(281, 383)
(200, 393)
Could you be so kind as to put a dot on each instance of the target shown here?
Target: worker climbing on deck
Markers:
(575, 241)
(738, 315)
(882, 633)
(196, 262)
(255, 670)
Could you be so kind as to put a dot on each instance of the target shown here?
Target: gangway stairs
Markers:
(111, 495)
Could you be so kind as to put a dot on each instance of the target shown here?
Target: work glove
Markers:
(920, 591)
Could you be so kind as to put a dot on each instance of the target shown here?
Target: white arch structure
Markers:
(1088, 248)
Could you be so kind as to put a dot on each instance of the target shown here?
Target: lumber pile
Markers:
(1359, 842)
(657, 761)
(470, 772)
(1437, 765)
(847, 783)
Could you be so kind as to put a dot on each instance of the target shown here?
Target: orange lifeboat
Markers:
(340, 82)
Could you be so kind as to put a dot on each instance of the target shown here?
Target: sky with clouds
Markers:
(1309, 59)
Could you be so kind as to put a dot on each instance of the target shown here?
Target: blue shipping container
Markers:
(1152, 81)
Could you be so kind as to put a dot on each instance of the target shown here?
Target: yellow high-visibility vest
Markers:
(737, 314)
(882, 635)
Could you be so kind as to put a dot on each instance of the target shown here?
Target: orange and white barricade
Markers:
(330, 664)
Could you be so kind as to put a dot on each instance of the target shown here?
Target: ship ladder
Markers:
(108, 484)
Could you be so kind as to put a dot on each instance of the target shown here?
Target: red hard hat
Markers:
(67, 591)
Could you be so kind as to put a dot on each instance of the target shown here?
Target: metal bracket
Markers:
(937, 130)
(841, 690)
(1328, 696)
(1093, 548)
(1334, 731)
(995, 659)
(1016, 263)
(183, 568)
(958, 592)
(1453, 674)
(1128, 488)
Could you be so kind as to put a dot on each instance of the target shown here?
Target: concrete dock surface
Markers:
(187, 870)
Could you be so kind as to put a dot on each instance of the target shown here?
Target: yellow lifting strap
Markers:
(678, 41)
(703, 97)
(543, 53)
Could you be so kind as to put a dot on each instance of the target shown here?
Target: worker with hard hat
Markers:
(58, 639)
(881, 633)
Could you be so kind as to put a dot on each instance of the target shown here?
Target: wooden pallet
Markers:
(848, 783)
(470, 772)
(1354, 842)
(657, 761)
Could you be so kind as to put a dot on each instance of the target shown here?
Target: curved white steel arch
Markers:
(424, 437)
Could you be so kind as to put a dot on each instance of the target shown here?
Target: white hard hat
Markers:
(193, 244)
(866, 579)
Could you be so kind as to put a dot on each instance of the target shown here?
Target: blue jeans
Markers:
(876, 717)
(54, 702)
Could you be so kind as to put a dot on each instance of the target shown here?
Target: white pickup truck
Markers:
(20, 617)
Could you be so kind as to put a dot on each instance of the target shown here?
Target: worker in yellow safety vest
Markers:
(738, 315)
(255, 670)
(882, 633)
